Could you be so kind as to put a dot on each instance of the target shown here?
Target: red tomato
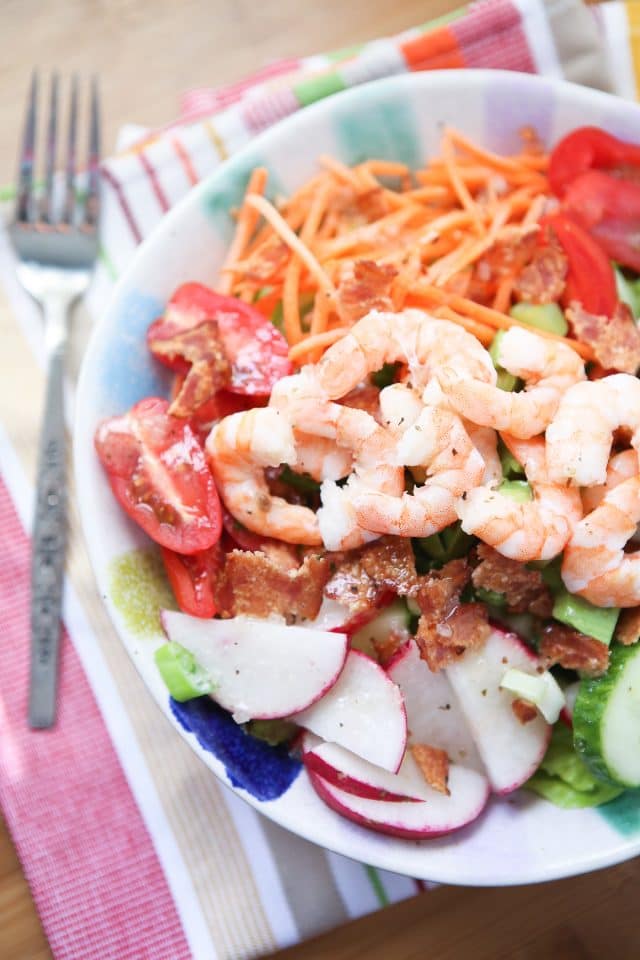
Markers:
(257, 351)
(193, 579)
(590, 277)
(588, 148)
(157, 470)
(610, 209)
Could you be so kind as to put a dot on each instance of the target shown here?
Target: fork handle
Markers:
(49, 540)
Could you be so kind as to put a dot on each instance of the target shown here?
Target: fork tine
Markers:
(46, 206)
(92, 208)
(70, 170)
(25, 169)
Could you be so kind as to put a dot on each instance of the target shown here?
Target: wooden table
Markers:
(146, 53)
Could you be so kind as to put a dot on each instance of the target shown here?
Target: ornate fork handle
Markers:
(49, 530)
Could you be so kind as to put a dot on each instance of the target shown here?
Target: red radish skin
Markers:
(372, 813)
(317, 765)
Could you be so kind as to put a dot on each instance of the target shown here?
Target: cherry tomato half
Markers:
(158, 472)
(590, 277)
(193, 579)
(589, 148)
(610, 209)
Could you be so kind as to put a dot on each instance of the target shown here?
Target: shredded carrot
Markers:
(459, 187)
(319, 341)
(245, 225)
(502, 299)
(507, 164)
(341, 171)
(484, 333)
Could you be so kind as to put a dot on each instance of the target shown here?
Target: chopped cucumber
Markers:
(565, 780)
(553, 578)
(606, 720)
(183, 675)
(395, 618)
(385, 376)
(302, 482)
(628, 291)
(540, 689)
(518, 490)
(506, 381)
(272, 732)
(544, 316)
(450, 544)
(511, 469)
(490, 597)
(598, 622)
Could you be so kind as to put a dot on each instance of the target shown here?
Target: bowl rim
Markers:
(625, 848)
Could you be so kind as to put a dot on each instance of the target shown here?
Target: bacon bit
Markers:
(210, 369)
(364, 578)
(573, 650)
(434, 766)
(368, 288)
(524, 711)
(262, 585)
(387, 647)
(265, 262)
(524, 590)
(615, 340)
(628, 628)
(447, 627)
(543, 279)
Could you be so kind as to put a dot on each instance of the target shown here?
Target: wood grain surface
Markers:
(146, 53)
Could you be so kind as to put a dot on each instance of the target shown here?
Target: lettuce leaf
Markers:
(565, 780)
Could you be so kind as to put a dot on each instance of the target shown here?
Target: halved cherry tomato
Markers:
(588, 148)
(193, 579)
(257, 351)
(590, 277)
(158, 472)
(610, 209)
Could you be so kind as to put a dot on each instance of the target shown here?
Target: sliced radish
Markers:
(511, 751)
(337, 616)
(260, 669)
(439, 814)
(362, 712)
(355, 775)
(433, 712)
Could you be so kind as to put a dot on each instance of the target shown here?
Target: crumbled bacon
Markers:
(524, 590)
(368, 288)
(434, 765)
(363, 578)
(261, 585)
(386, 647)
(543, 278)
(573, 650)
(210, 369)
(524, 711)
(266, 262)
(628, 628)
(448, 627)
(615, 340)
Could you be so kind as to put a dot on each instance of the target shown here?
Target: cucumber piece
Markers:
(565, 780)
(518, 490)
(598, 622)
(544, 316)
(628, 291)
(491, 597)
(506, 381)
(540, 689)
(606, 720)
(183, 675)
(385, 376)
(272, 732)
(511, 469)
(395, 618)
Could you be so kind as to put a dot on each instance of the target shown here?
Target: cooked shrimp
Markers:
(485, 440)
(239, 448)
(400, 407)
(595, 565)
(622, 466)
(534, 530)
(438, 442)
(321, 457)
(412, 337)
(547, 367)
(580, 436)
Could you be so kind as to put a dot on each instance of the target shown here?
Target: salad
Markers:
(396, 484)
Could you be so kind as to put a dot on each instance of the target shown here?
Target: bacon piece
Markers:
(261, 585)
(387, 647)
(615, 340)
(434, 765)
(628, 628)
(524, 590)
(524, 711)
(362, 579)
(368, 288)
(573, 650)
(210, 369)
(265, 263)
(448, 627)
(543, 278)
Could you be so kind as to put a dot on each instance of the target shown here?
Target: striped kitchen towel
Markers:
(131, 847)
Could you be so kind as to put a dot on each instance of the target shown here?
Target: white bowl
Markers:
(520, 839)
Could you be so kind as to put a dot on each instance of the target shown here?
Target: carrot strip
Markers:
(341, 171)
(502, 299)
(484, 333)
(459, 187)
(507, 164)
(321, 340)
(385, 168)
(492, 318)
(291, 302)
(245, 225)
(286, 234)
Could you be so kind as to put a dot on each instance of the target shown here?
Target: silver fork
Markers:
(56, 254)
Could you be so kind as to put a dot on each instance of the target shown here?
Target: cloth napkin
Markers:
(131, 847)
